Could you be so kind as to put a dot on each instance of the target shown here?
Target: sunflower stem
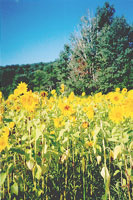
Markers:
(73, 163)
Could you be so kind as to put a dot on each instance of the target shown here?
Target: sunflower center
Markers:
(116, 98)
(67, 107)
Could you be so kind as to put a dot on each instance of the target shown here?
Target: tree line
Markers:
(98, 58)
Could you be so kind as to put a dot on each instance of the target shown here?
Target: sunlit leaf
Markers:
(30, 164)
(117, 151)
(105, 173)
(2, 178)
(38, 172)
(116, 172)
(14, 189)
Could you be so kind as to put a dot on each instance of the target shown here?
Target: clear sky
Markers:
(33, 31)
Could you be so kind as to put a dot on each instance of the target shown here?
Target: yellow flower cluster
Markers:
(121, 106)
(71, 110)
(4, 138)
(23, 99)
(21, 89)
(29, 101)
(3, 142)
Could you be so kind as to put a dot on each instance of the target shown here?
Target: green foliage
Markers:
(102, 52)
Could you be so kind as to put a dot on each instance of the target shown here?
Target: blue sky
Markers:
(35, 31)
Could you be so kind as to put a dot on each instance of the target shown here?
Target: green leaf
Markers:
(24, 137)
(38, 133)
(30, 164)
(113, 140)
(129, 171)
(18, 150)
(124, 182)
(116, 172)
(14, 189)
(96, 130)
(61, 134)
(105, 173)
(65, 140)
(45, 148)
(76, 134)
(117, 151)
(38, 172)
(2, 178)
(10, 168)
(7, 120)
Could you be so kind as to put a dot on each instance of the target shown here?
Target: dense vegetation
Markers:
(99, 58)
(66, 147)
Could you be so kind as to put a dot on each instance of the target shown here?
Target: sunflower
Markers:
(85, 124)
(89, 144)
(44, 94)
(90, 112)
(116, 98)
(5, 131)
(22, 88)
(128, 108)
(117, 89)
(62, 88)
(29, 101)
(3, 142)
(116, 114)
(11, 125)
(59, 122)
(124, 91)
(53, 92)
(66, 107)
(0, 95)
(83, 94)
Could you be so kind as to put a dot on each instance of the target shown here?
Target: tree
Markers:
(102, 52)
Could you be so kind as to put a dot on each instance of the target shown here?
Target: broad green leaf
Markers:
(98, 147)
(18, 150)
(14, 189)
(38, 172)
(113, 140)
(44, 168)
(116, 172)
(24, 137)
(125, 138)
(38, 133)
(117, 151)
(96, 130)
(114, 130)
(7, 120)
(45, 148)
(131, 146)
(105, 173)
(39, 192)
(119, 164)
(98, 159)
(124, 182)
(30, 164)
(10, 168)
(61, 134)
(65, 140)
(76, 134)
(129, 171)
(2, 178)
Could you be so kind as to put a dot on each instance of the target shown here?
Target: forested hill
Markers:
(35, 75)
(99, 58)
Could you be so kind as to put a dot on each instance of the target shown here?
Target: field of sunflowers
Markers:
(66, 147)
